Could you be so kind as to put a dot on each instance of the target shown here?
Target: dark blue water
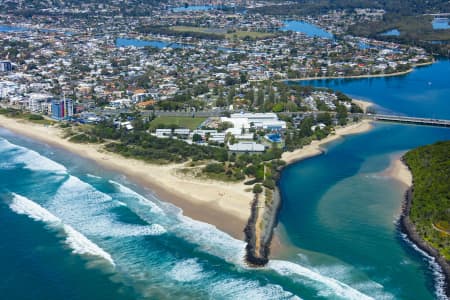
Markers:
(306, 28)
(121, 42)
(7, 28)
(423, 93)
(392, 32)
(441, 24)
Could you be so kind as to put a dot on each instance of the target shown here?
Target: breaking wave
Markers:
(79, 243)
(327, 286)
(31, 160)
(438, 274)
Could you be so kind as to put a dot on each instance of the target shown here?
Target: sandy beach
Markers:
(315, 147)
(399, 171)
(363, 104)
(225, 205)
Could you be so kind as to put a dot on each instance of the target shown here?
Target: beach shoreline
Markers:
(224, 205)
(363, 104)
(315, 148)
(366, 76)
(398, 171)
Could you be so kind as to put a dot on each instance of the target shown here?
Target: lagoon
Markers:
(392, 32)
(306, 28)
(7, 28)
(124, 42)
(441, 23)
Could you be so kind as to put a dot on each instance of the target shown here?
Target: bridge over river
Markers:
(412, 120)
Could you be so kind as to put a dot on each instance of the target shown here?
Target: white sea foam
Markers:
(142, 200)
(82, 245)
(328, 286)
(32, 159)
(206, 236)
(74, 239)
(439, 278)
(155, 229)
(210, 239)
(248, 289)
(120, 203)
(93, 176)
(345, 273)
(89, 210)
(187, 271)
(6, 145)
(24, 206)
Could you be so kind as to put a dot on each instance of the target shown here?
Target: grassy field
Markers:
(198, 29)
(249, 34)
(185, 122)
(222, 32)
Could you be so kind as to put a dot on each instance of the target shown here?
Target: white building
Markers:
(38, 102)
(163, 132)
(247, 147)
(244, 121)
(120, 103)
(218, 137)
(8, 88)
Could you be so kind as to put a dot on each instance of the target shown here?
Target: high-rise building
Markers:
(62, 109)
(5, 66)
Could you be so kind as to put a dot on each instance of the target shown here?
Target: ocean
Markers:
(72, 230)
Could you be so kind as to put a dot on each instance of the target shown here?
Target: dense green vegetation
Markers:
(316, 7)
(19, 114)
(144, 146)
(220, 164)
(414, 30)
(169, 31)
(430, 210)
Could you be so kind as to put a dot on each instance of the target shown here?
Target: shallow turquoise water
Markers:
(343, 206)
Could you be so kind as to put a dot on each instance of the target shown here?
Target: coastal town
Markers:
(205, 103)
(173, 68)
(68, 72)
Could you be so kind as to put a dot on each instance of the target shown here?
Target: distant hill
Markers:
(129, 7)
(401, 7)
